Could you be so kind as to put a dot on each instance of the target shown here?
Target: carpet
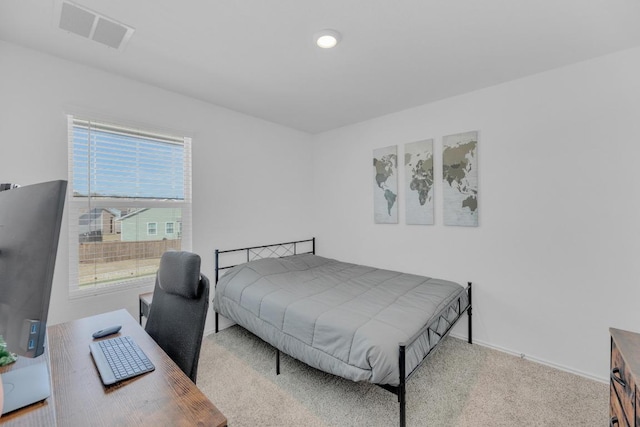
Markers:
(460, 385)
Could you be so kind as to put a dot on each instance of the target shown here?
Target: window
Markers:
(152, 228)
(124, 182)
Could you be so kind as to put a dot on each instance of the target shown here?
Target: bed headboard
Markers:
(231, 257)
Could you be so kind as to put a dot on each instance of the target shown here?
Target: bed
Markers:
(354, 321)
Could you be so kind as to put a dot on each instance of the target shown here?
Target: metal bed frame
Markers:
(278, 250)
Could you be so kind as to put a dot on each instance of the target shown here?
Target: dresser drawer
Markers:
(616, 416)
(622, 383)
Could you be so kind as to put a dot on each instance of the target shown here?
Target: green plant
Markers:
(6, 356)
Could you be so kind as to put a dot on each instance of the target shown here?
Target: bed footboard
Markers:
(400, 390)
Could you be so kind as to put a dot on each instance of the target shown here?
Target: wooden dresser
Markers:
(624, 404)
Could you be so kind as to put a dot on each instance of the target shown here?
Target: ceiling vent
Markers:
(89, 24)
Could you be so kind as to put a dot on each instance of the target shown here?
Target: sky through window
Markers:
(112, 164)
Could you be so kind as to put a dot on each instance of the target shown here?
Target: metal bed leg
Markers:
(469, 317)
(277, 362)
(403, 405)
(402, 388)
(217, 259)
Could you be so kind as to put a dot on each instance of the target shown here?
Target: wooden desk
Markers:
(165, 396)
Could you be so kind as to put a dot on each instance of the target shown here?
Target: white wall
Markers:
(251, 178)
(555, 258)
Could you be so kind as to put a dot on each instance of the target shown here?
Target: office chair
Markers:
(179, 309)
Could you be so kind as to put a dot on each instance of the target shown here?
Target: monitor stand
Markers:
(24, 386)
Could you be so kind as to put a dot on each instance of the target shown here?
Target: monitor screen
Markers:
(30, 219)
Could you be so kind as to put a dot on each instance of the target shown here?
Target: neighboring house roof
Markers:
(97, 212)
(94, 216)
(131, 214)
(93, 213)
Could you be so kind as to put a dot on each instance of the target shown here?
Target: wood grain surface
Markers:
(165, 396)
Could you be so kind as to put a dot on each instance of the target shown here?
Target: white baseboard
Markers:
(535, 359)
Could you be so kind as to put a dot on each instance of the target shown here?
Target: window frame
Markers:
(166, 228)
(155, 229)
(76, 204)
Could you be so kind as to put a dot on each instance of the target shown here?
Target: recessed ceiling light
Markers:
(327, 39)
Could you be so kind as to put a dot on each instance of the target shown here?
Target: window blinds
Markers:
(128, 189)
(116, 162)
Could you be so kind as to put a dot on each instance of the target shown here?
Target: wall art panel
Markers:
(418, 180)
(385, 185)
(460, 179)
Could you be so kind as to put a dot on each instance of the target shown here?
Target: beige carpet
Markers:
(460, 385)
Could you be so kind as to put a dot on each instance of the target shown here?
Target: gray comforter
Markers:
(342, 318)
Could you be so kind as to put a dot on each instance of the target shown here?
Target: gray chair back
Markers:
(179, 309)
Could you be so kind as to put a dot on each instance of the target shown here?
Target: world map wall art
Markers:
(418, 182)
(385, 185)
(460, 179)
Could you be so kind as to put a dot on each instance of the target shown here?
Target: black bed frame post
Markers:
(215, 283)
(402, 387)
(217, 264)
(313, 245)
(469, 315)
(277, 362)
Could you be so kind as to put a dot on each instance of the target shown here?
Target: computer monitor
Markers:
(30, 220)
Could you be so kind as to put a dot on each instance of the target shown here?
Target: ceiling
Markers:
(258, 57)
